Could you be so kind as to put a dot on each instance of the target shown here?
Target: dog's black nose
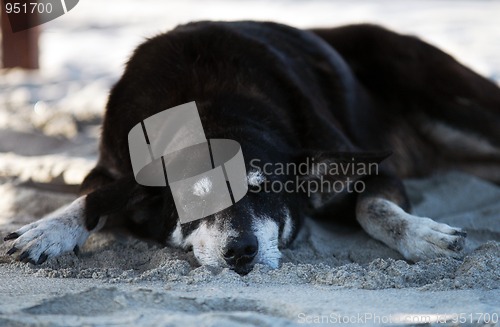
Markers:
(240, 252)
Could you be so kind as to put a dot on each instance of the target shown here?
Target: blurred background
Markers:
(49, 118)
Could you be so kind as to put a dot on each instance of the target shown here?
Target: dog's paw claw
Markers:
(12, 250)
(24, 257)
(76, 250)
(457, 244)
(43, 257)
(11, 236)
(460, 232)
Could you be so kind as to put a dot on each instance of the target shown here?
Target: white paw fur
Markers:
(60, 232)
(428, 239)
(416, 238)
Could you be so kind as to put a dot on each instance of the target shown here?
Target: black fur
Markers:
(284, 94)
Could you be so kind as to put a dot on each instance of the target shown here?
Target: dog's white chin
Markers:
(266, 230)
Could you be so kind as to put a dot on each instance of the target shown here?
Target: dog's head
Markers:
(250, 231)
(284, 186)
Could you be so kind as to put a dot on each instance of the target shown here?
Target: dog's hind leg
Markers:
(382, 212)
(432, 106)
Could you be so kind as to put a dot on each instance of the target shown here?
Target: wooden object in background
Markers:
(19, 49)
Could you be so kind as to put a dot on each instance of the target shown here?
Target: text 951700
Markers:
(28, 8)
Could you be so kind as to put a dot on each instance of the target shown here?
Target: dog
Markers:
(357, 94)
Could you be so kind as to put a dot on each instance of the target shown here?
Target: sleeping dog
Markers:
(354, 95)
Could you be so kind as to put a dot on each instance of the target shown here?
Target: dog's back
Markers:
(280, 66)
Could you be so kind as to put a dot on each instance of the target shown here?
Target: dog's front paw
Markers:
(52, 236)
(427, 239)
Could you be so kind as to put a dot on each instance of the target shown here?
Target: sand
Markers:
(49, 128)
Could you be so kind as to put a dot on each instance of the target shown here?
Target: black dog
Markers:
(326, 98)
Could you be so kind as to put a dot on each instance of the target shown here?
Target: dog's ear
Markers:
(329, 173)
(338, 166)
(121, 194)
